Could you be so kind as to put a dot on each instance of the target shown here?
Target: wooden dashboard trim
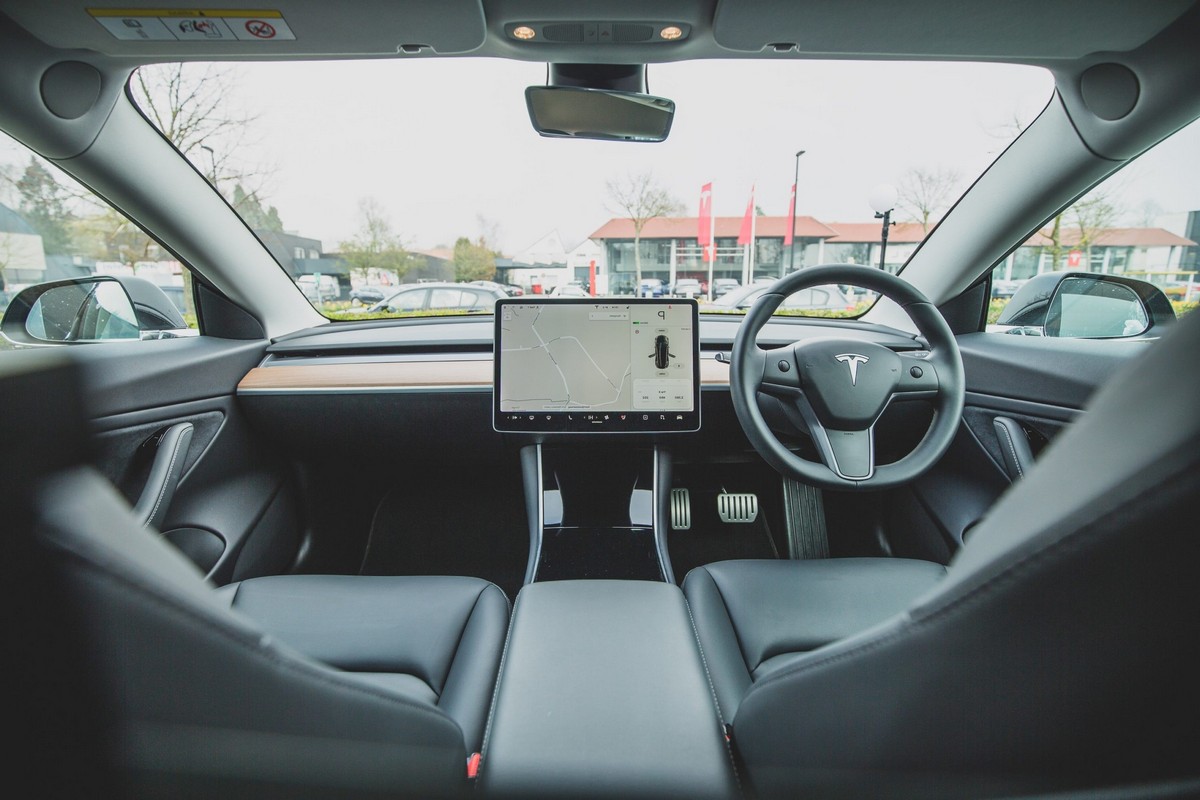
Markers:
(400, 376)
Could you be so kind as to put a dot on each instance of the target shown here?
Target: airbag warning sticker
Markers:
(190, 24)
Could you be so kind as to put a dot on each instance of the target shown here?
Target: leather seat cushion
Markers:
(753, 617)
(432, 638)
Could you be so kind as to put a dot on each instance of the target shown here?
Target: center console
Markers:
(603, 693)
(572, 369)
(603, 690)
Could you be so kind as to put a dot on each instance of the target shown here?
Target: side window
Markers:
(446, 298)
(408, 301)
(78, 265)
(1118, 263)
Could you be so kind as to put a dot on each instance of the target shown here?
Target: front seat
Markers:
(291, 686)
(1057, 653)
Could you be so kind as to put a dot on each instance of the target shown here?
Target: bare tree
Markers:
(925, 193)
(375, 247)
(1148, 213)
(190, 104)
(1093, 215)
(640, 198)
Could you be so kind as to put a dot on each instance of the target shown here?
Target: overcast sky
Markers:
(439, 143)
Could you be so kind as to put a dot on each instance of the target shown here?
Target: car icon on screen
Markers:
(662, 351)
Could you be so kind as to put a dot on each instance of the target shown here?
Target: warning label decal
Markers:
(190, 24)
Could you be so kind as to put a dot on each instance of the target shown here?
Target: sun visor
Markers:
(245, 29)
(1033, 30)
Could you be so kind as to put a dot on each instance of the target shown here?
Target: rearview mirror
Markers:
(575, 112)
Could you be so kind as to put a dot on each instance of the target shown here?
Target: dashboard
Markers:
(426, 385)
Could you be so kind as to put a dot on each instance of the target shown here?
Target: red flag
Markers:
(704, 235)
(790, 232)
(747, 231)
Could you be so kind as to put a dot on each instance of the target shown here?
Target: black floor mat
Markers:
(452, 524)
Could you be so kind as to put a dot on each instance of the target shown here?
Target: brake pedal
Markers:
(681, 510)
(737, 508)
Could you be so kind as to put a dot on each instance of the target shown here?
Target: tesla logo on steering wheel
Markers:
(852, 360)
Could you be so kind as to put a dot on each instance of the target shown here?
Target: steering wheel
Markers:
(837, 388)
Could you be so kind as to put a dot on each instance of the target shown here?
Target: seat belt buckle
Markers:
(473, 766)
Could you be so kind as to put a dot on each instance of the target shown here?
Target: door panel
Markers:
(233, 510)
(1042, 385)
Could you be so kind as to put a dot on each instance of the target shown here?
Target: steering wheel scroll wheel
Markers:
(839, 387)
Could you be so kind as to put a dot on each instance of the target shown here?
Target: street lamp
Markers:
(883, 199)
(795, 187)
(212, 164)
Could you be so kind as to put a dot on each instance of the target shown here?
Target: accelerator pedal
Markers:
(681, 510)
(737, 508)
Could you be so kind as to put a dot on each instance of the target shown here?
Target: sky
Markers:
(446, 148)
(440, 143)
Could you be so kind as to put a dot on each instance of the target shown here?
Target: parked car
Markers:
(1184, 291)
(319, 288)
(686, 287)
(1002, 289)
(508, 289)
(433, 296)
(651, 287)
(721, 286)
(297, 556)
(816, 298)
(370, 295)
(570, 290)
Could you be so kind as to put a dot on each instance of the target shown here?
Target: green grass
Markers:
(345, 315)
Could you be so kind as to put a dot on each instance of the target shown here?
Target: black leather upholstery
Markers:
(198, 700)
(754, 617)
(1056, 653)
(603, 695)
(203, 697)
(436, 639)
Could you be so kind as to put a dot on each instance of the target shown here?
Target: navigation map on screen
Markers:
(596, 365)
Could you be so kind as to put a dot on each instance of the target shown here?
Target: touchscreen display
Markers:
(603, 365)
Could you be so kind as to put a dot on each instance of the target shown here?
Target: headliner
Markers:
(1046, 32)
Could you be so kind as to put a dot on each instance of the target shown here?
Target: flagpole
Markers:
(746, 264)
(753, 227)
(795, 191)
(712, 252)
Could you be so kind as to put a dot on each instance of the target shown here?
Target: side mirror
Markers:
(94, 309)
(1087, 308)
(1084, 305)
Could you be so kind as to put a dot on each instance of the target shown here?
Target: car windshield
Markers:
(350, 191)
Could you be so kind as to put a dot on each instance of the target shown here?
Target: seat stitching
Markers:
(458, 645)
(979, 593)
(1012, 449)
(713, 693)
(728, 616)
(487, 732)
(162, 490)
